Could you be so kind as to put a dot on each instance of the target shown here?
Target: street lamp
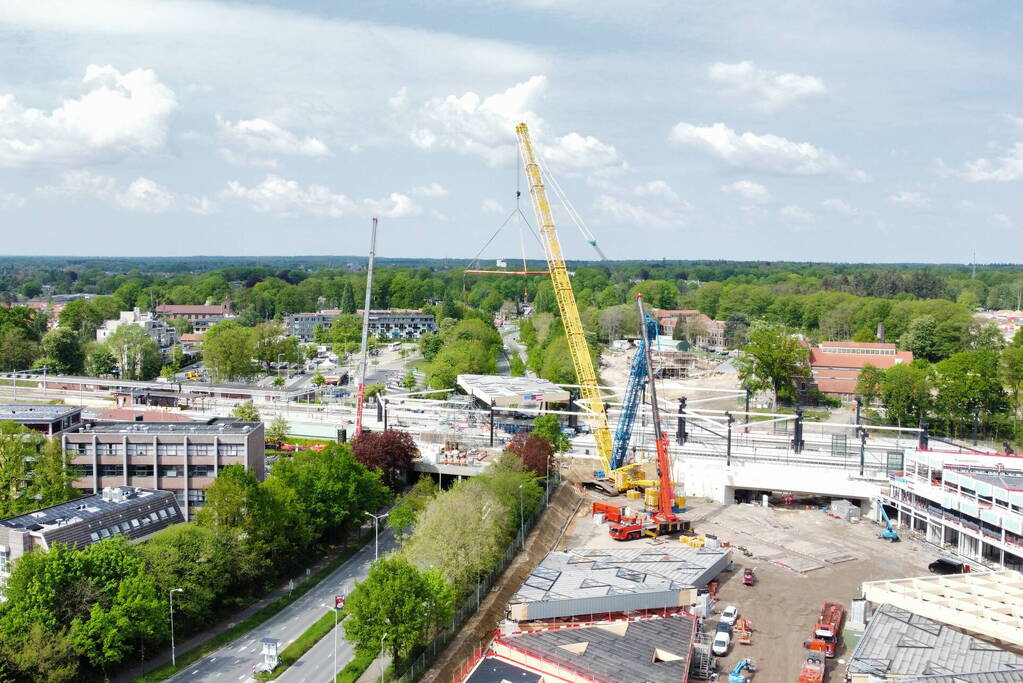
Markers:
(376, 534)
(382, 636)
(279, 361)
(174, 659)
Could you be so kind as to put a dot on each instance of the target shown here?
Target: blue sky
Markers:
(743, 130)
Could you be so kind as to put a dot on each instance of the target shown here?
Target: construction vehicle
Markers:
(748, 577)
(616, 514)
(663, 520)
(828, 627)
(888, 533)
(737, 676)
(813, 667)
(360, 395)
(633, 393)
(743, 631)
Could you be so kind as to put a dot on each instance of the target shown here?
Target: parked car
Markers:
(943, 566)
(730, 614)
(723, 626)
(722, 639)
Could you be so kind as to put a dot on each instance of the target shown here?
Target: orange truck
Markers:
(813, 662)
(828, 628)
(616, 514)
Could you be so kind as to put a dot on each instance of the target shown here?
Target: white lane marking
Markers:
(195, 672)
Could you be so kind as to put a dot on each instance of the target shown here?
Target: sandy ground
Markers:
(802, 559)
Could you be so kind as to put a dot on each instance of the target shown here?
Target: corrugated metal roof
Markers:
(900, 643)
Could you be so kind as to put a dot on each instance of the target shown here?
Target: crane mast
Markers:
(578, 348)
(360, 397)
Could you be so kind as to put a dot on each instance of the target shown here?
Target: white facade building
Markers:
(159, 331)
(967, 504)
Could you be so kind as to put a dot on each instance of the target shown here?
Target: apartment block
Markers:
(158, 330)
(122, 511)
(395, 323)
(967, 504)
(180, 457)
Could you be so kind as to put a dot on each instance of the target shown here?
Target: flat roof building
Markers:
(569, 583)
(836, 365)
(122, 511)
(395, 323)
(512, 392)
(192, 312)
(44, 418)
(181, 457)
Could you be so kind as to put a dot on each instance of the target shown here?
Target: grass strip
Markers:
(356, 667)
(186, 659)
(302, 644)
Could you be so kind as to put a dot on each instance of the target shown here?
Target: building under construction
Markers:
(671, 359)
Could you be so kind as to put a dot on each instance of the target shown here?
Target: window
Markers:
(113, 531)
(146, 521)
(104, 533)
(81, 470)
(201, 471)
(78, 448)
(152, 516)
(200, 449)
(162, 513)
(140, 470)
(94, 536)
(140, 449)
(108, 449)
(111, 470)
(5, 562)
(196, 496)
(169, 471)
(170, 449)
(135, 524)
(231, 449)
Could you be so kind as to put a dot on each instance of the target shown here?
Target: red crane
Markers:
(663, 520)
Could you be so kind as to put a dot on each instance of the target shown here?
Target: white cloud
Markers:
(1000, 220)
(796, 214)
(757, 152)
(656, 188)
(397, 205)
(250, 141)
(492, 206)
(1004, 169)
(911, 199)
(839, 206)
(471, 124)
(767, 90)
(578, 152)
(283, 197)
(9, 200)
(118, 116)
(145, 196)
(628, 214)
(431, 190)
(142, 195)
(748, 190)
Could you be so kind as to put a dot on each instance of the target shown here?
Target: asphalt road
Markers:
(234, 661)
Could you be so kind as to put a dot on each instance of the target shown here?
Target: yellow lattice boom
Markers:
(587, 378)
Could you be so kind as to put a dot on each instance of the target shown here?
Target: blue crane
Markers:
(888, 533)
(630, 406)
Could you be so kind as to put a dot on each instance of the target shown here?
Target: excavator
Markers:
(663, 520)
(888, 533)
(737, 676)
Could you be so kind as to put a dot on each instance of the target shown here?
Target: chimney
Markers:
(880, 332)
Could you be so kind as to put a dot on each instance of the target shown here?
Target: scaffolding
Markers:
(703, 664)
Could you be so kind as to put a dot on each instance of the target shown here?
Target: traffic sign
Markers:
(339, 602)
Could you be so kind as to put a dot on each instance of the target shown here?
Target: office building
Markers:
(158, 330)
(180, 457)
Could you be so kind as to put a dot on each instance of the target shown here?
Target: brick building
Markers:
(194, 312)
(836, 365)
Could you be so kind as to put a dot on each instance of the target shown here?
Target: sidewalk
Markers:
(372, 672)
(199, 639)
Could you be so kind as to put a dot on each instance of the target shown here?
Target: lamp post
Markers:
(376, 534)
(382, 636)
(279, 361)
(174, 658)
(547, 482)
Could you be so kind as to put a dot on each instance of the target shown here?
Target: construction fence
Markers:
(472, 604)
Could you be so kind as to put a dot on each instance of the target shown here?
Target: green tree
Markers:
(905, 393)
(406, 511)
(549, 428)
(1012, 373)
(399, 605)
(246, 412)
(772, 359)
(347, 303)
(17, 349)
(409, 380)
(135, 353)
(346, 333)
(966, 382)
(317, 379)
(922, 338)
(228, 350)
(64, 348)
(868, 386)
(277, 432)
(100, 362)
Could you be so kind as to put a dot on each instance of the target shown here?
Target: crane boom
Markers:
(577, 346)
(360, 396)
(630, 405)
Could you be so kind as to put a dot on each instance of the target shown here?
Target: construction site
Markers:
(698, 540)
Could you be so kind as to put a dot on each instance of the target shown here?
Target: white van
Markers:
(722, 639)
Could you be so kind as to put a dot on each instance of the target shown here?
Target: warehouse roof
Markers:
(213, 426)
(42, 412)
(1003, 676)
(655, 650)
(496, 390)
(897, 643)
(494, 670)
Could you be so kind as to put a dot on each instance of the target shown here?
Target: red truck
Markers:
(828, 628)
(812, 670)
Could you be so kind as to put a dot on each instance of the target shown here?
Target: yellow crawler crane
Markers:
(587, 378)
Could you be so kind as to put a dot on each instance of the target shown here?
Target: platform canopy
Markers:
(512, 392)
(986, 603)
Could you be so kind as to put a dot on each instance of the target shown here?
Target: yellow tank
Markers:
(697, 541)
(652, 497)
(680, 502)
(633, 493)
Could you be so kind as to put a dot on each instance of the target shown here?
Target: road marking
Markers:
(195, 672)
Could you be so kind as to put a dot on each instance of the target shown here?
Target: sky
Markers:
(819, 130)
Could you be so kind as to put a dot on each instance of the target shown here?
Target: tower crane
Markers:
(360, 396)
